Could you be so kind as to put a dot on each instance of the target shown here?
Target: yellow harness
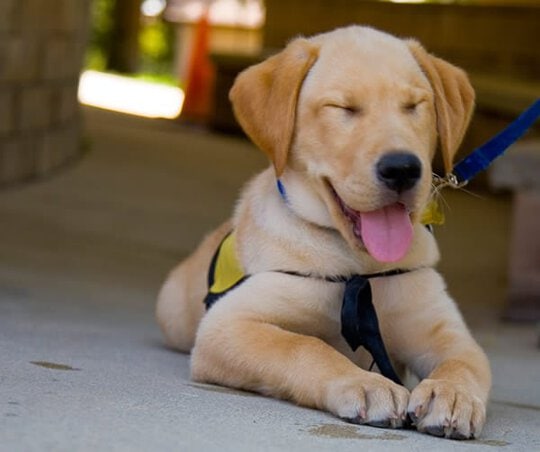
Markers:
(225, 271)
(432, 214)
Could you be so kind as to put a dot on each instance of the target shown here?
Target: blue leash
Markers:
(484, 155)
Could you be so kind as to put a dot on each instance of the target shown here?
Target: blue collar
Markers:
(282, 191)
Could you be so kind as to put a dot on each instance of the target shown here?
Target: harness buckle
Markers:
(449, 180)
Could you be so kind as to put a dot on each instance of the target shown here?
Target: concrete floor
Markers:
(82, 365)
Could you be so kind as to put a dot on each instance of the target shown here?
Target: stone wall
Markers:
(42, 45)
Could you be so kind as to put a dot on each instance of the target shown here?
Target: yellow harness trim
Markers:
(433, 214)
(228, 270)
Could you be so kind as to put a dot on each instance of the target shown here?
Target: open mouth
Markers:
(386, 233)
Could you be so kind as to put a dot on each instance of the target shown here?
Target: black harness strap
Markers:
(360, 326)
(359, 322)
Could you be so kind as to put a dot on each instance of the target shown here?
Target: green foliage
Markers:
(153, 42)
(156, 39)
(101, 16)
(156, 47)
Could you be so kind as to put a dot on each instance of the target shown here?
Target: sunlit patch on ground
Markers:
(126, 95)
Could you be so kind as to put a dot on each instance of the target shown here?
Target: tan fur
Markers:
(454, 100)
(179, 308)
(325, 110)
(266, 106)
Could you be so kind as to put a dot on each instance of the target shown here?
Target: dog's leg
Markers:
(246, 341)
(180, 302)
(432, 339)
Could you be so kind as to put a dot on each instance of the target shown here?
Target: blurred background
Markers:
(175, 61)
(119, 151)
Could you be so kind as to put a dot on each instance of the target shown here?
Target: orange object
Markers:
(198, 102)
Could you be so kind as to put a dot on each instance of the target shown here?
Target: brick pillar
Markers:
(41, 52)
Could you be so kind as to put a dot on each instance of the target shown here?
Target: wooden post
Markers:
(124, 48)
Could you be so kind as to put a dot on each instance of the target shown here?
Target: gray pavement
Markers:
(82, 365)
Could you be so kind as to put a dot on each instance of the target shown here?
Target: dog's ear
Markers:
(454, 100)
(264, 99)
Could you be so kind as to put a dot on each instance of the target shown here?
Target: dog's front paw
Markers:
(368, 399)
(442, 408)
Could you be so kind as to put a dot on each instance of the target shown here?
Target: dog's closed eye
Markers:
(412, 101)
(412, 106)
(350, 110)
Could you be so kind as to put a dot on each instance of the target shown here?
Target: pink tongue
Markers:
(387, 233)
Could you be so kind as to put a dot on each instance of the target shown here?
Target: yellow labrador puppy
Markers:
(351, 120)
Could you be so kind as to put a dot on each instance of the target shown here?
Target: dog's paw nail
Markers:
(383, 423)
(360, 419)
(397, 423)
(435, 430)
(408, 423)
(413, 417)
(457, 435)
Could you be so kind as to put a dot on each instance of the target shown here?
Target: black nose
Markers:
(399, 170)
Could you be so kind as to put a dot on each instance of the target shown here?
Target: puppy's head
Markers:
(356, 115)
